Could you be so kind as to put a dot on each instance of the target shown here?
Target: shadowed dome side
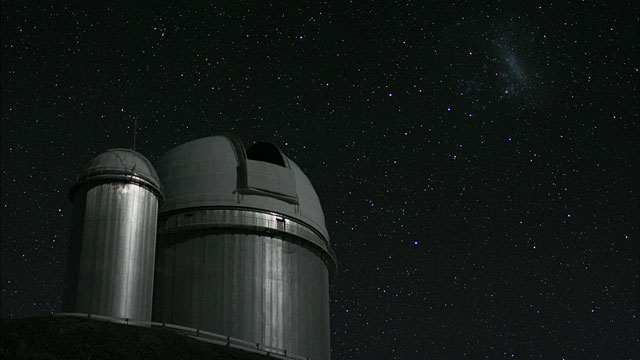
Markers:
(119, 162)
(310, 207)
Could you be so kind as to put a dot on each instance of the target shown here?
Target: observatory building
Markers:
(113, 237)
(220, 239)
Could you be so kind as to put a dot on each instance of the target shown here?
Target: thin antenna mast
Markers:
(135, 118)
(135, 131)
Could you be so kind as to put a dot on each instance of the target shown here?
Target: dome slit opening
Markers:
(265, 152)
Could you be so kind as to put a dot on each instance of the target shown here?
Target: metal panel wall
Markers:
(254, 287)
(249, 219)
(112, 251)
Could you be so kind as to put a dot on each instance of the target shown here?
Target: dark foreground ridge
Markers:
(49, 338)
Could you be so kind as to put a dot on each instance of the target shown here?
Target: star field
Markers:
(477, 165)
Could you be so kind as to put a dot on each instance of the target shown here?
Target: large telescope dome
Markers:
(243, 249)
(217, 171)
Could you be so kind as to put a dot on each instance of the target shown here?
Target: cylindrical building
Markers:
(113, 237)
(242, 247)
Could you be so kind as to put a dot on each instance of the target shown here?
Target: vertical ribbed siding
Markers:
(113, 274)
(257, 288)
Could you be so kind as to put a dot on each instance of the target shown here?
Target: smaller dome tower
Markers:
(113, 236)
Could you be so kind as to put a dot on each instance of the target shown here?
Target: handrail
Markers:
(123, 175)
(198, 334)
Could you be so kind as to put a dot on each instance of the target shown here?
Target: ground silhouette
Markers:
(52, 338)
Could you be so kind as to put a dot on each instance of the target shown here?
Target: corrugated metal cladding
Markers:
(113, 238)
(117, 246)
(257, 288)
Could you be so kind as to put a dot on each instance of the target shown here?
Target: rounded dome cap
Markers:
(217, 171)
(121, 164)
(199, 173)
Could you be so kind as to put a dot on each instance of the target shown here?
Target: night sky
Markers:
(477, 164)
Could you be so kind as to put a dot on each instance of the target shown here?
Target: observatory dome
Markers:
(113, 236)
(242, 248)
(121, 163)
(217, 171)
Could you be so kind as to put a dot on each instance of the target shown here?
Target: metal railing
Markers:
(198, 334)
(123, 175)
(248, 218)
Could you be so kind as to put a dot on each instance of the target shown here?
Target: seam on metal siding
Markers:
(243, 220)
